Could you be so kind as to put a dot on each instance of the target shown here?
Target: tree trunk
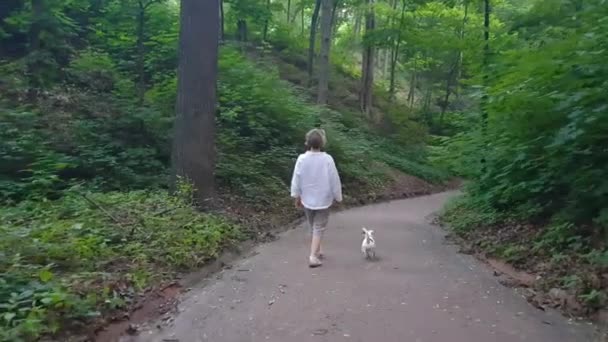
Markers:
(485, 61)
(449, 83)
(357, 28)
(242, 30)
(386, 62)
(448, 92)
(411, 96)
(36, 26)
(334, 17)
(395, 52)
(426, 105)
(222, 20)
(312, 40)
(486, 53)
(323, 91)
(453, 76)
(460, 64)
(33, 66)
(367, 65)
(302, 17)
(288, 9)
(141, 52)
(193, 155)
(265, 32)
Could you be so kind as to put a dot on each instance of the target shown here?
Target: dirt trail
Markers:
(420, 290)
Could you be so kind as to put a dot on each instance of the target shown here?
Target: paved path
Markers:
(420, 290)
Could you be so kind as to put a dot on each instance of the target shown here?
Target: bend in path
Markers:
(421, 290)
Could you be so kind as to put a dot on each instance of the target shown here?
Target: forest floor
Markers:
(419, 289)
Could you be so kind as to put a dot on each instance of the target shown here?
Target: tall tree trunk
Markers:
(453, 76)
(460, 52)
(241, 25)
(323, 90)
(288, 9)
(193, 155)
(33, 67)
(448, 92)
(411, 96)
(357, 28)
(386, 58)
(141, 52)
(395, 51)
(38, 7)
(367, 65)
(312, 40)
(426, 105)
(265, 32)
(222, 21)
(334, 16)
(388, 53)
(485, 62)
(302, 17)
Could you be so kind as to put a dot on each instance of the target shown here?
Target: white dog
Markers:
(368, 246)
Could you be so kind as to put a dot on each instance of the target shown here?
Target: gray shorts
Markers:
(317, 220)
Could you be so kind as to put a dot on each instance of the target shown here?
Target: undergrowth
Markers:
(562, 255)
(65, 262)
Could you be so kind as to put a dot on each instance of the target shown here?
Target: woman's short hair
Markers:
(316, 139)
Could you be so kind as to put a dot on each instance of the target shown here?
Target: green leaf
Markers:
(8, 317)
(45, 275)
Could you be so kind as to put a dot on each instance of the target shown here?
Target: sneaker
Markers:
(313, 261)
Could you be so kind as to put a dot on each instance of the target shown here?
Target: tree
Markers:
(38, 11)
(142, 7)
(312, 40)
(465, 19)
(250, 15)
(395, 50)
(367, 65)
(326, 14)
(222, 21)
(193, 155)
(267, 21)
(302, 10)
(485, 71)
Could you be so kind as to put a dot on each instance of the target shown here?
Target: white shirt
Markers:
(316, 181)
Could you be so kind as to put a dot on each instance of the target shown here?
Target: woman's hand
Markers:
(298, 202)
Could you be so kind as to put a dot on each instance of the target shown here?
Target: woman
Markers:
(315, 186)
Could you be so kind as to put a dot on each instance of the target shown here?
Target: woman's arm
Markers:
(336, 184)
(296, 191)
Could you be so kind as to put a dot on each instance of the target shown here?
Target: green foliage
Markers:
(594, 299)
(539, 158)
(94, 71)
(468, 212)
(513, 253)
(262, 123)
(543, 151)
(38, 162)
(65, 261)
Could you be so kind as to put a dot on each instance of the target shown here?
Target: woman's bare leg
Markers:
(314, 248)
